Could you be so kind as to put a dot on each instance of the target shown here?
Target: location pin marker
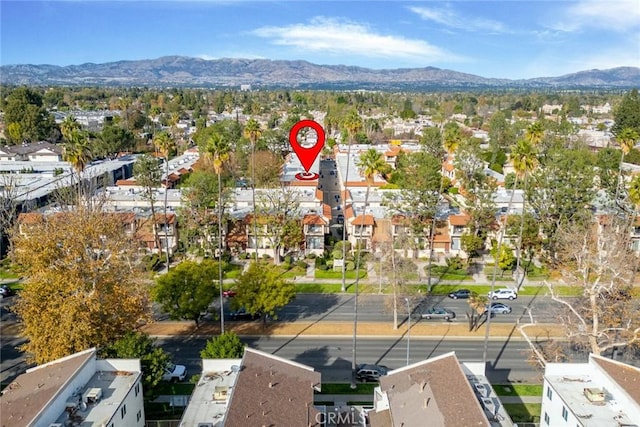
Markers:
(307, 155)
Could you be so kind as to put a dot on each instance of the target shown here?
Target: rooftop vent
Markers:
(594, 394)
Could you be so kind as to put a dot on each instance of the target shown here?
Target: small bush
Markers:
(319, 262)
(288, 260)
(151, 262)
(285, 266)
(311, 256)
(351, 265)
(301, 264)
(266, 257)
(322, 267)
(243, 255)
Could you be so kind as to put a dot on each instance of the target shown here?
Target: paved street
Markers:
(332, 356)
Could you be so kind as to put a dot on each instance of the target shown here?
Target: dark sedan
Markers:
(460, 293)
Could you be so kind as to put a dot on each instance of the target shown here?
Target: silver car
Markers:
(499, 308)
(438, 313)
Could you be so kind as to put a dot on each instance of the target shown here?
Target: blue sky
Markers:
(509, 38)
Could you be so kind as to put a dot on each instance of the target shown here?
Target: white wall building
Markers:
(77, 390)
(599, 393)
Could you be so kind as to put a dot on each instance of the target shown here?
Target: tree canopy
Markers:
(81, 288)
(187, 290)
(261, 289)
(224, 346)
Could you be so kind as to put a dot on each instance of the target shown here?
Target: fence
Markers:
(162, 423)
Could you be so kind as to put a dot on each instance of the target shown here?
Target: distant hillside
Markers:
(229, 72)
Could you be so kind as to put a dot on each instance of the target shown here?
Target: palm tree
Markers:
(452, 137)
(352, 123)
(535, 133)
(217, 148)
(68, 125)
(627, 138)
(478, 304)
(76, 151)
(253, 131)
(164, 144)
(525, 161)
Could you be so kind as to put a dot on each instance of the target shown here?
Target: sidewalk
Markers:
(345, 329)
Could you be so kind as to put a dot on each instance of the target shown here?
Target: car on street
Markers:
(499, 308)
(173, 372)
(229, 293)
(505, 293)
(6, 291)
(370, 373)
(460, 293)
(243, 314)
(438, 313)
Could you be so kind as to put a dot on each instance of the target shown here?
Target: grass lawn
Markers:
(333, 288)
(364, 388)
(518, 389)
(233, 271)
(162, 411)
(328, 274)
(524, 412)
(293, 272)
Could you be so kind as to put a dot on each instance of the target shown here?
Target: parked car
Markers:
(242, 314)
(6, 291)
(505, 293)
(499, 308)
(438, 313)
(367, 372)
(460, 293)
(173, 372)
(229, 293)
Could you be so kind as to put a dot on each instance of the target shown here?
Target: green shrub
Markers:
(151, 262)
(311, 256)
(301, 264)
(322, 267)
(288, 259)
(320, 262)
(351, 265)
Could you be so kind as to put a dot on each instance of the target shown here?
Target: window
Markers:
(138, 416)
(123, 411)
(549, 393)
(137, 389)
(565, 413)
(546, 418)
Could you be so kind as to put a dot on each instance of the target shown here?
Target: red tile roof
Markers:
(364, 220)
(459, 219)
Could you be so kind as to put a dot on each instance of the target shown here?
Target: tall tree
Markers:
(81, 288)
(452, 137)
(164, 143)
(26, 116)
(185, 291)
(525, 161)
(146, 171)
(627, 113)
(261, 289)
(77, 152)
(217, 149)
(278, 211)
(252, 131)
(595, 256)
(627, 139)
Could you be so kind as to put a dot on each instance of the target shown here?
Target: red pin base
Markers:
(307, 176)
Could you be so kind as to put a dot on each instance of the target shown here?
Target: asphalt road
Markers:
(371, 308)
(332, 356)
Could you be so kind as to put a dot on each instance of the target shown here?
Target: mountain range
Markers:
(264, 73)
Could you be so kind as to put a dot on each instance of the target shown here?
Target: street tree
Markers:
(138, 345)
(431, 142)
(227, 345)
(262, 289)
(595, 256)
(186, 291)
(9, 204)
(82, 287)
(76, 151)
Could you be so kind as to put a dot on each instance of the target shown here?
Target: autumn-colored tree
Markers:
(187, 290)
(261, 289)
(81, 288)
(225, 346)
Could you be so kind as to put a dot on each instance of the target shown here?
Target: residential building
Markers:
(40, 151)
(77, 390)
(441, 390)
(270, 390)
(599, 393)
(210, 399)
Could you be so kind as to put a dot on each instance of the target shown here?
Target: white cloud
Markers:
(615, 15)
(340, 36)
(451, 19)
(206, 57)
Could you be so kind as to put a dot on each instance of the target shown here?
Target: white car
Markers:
(505, 293)
(173, 372)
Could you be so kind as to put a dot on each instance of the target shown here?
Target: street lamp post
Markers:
(408, 329)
